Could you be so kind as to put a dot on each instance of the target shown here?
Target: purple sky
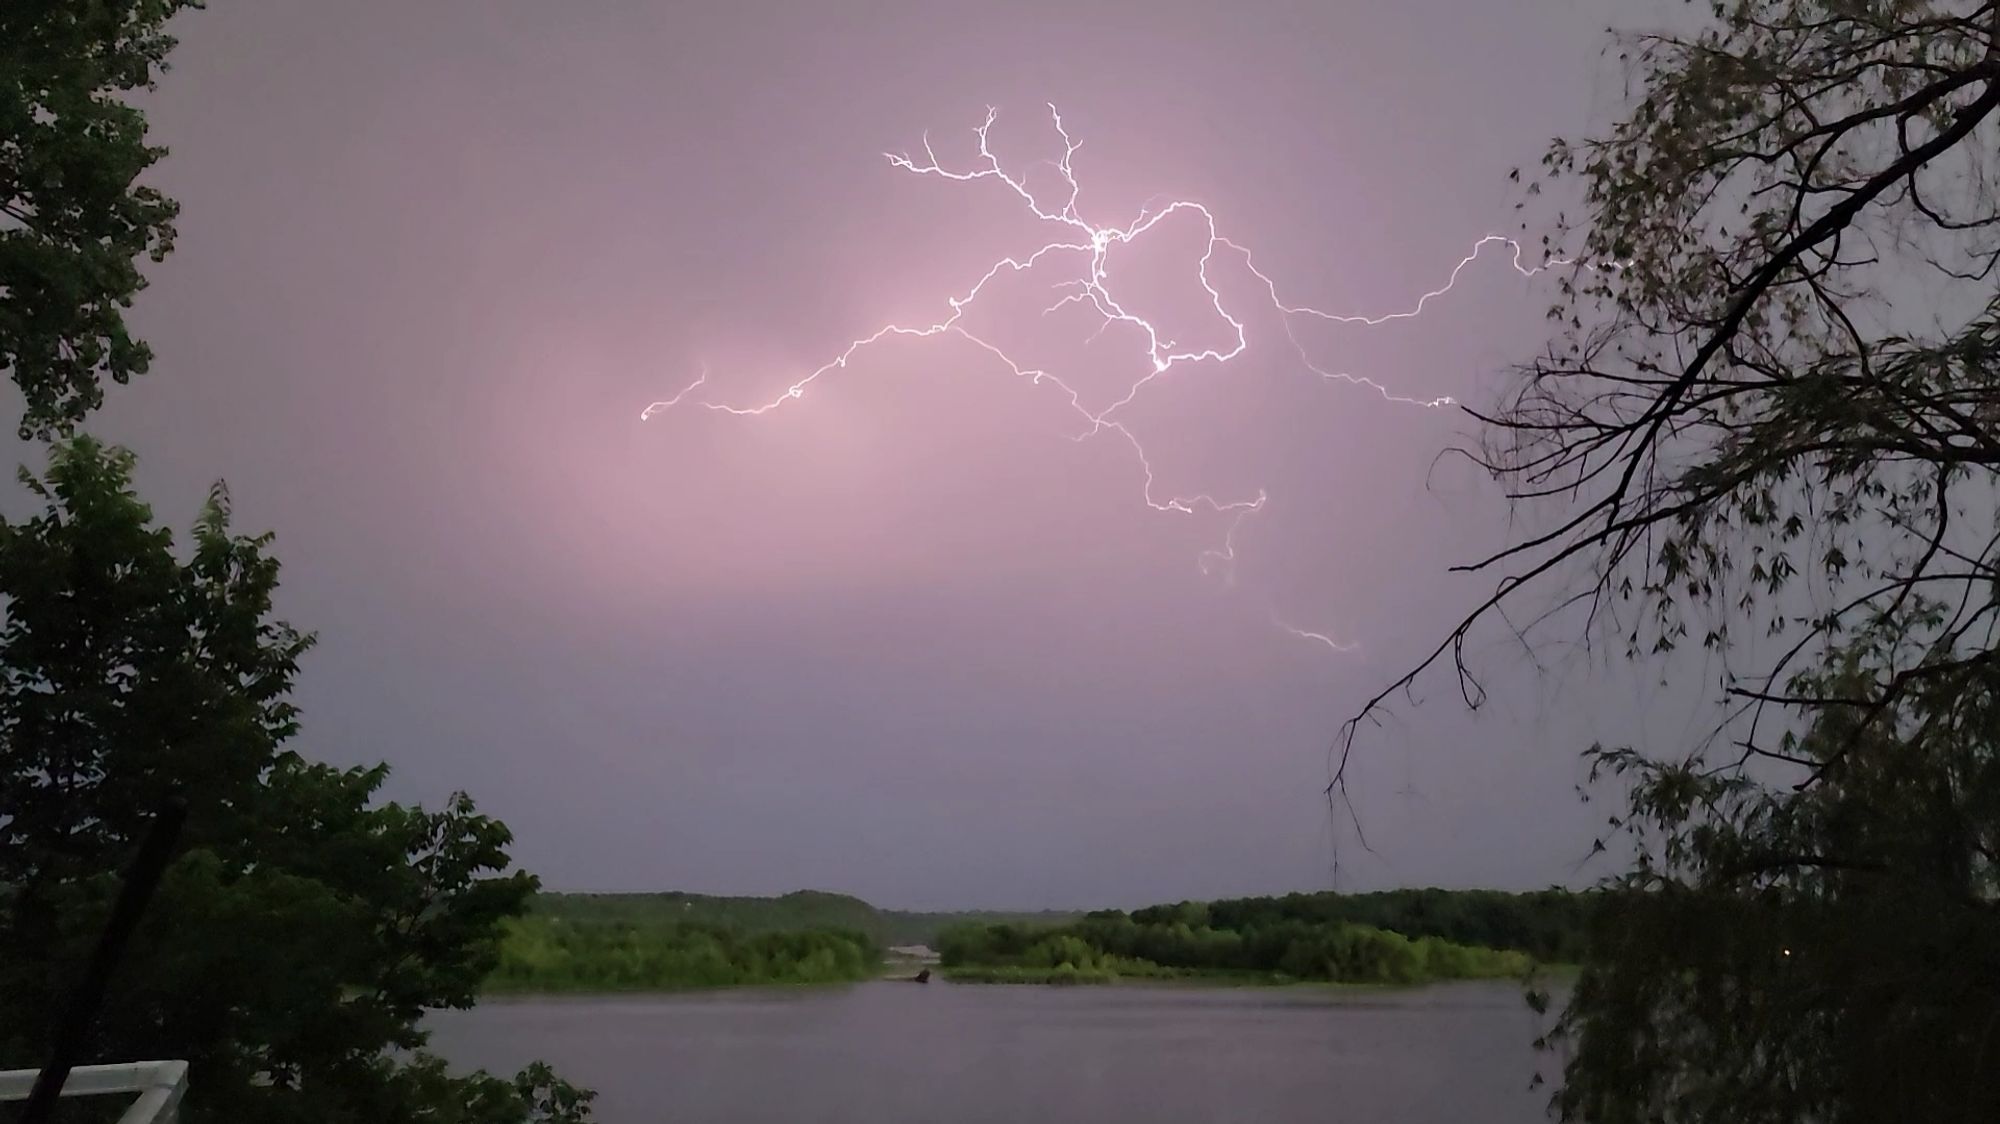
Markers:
(903, 637)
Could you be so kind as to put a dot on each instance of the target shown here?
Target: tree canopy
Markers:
(74, 220)
(1766, 429)
(304, 926)
(1400, 937)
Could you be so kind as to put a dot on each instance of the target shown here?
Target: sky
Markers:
(906, 636)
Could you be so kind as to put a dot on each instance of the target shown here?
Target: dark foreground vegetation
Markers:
(300, 925)
(1757, 460)
(1410, 937)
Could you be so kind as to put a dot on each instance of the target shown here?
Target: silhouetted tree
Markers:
(73, 218)
(1768, 429)
(304, 927)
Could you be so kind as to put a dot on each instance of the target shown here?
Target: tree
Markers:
(303, 927)
(1767, 430)
(73, 219)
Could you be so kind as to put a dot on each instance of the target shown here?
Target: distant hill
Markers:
(801, 909)
(1549, 924)
(905, 927)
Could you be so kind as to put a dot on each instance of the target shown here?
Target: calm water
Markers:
(943, 1054)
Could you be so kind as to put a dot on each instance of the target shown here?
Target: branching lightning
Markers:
(1088, 245)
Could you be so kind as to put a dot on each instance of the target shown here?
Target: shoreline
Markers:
(507, 993)
(1216, 982)
(1213, 981)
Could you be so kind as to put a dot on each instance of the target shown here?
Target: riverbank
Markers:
(1069, 975)
(618, 944)
(492, 993)
(1552, 975)
(552, 955)
(1184, 943)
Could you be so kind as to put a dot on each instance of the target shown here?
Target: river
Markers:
(894, 1052)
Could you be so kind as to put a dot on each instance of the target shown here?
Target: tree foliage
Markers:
(74, 220)
(1767, 432)
(304, 926)
(1550, 925)
(798, 910)
(1296, 937)
(542, 953)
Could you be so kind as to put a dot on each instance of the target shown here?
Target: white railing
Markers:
(159, 1085)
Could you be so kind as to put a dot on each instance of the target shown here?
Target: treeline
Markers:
(910, 927)
(1110, 946)
(1396, 937)
(543, 953)
(676, 940)
(801, 909)
(1552, 926)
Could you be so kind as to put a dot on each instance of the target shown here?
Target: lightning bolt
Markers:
(1087, 246)
(1316, 637)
